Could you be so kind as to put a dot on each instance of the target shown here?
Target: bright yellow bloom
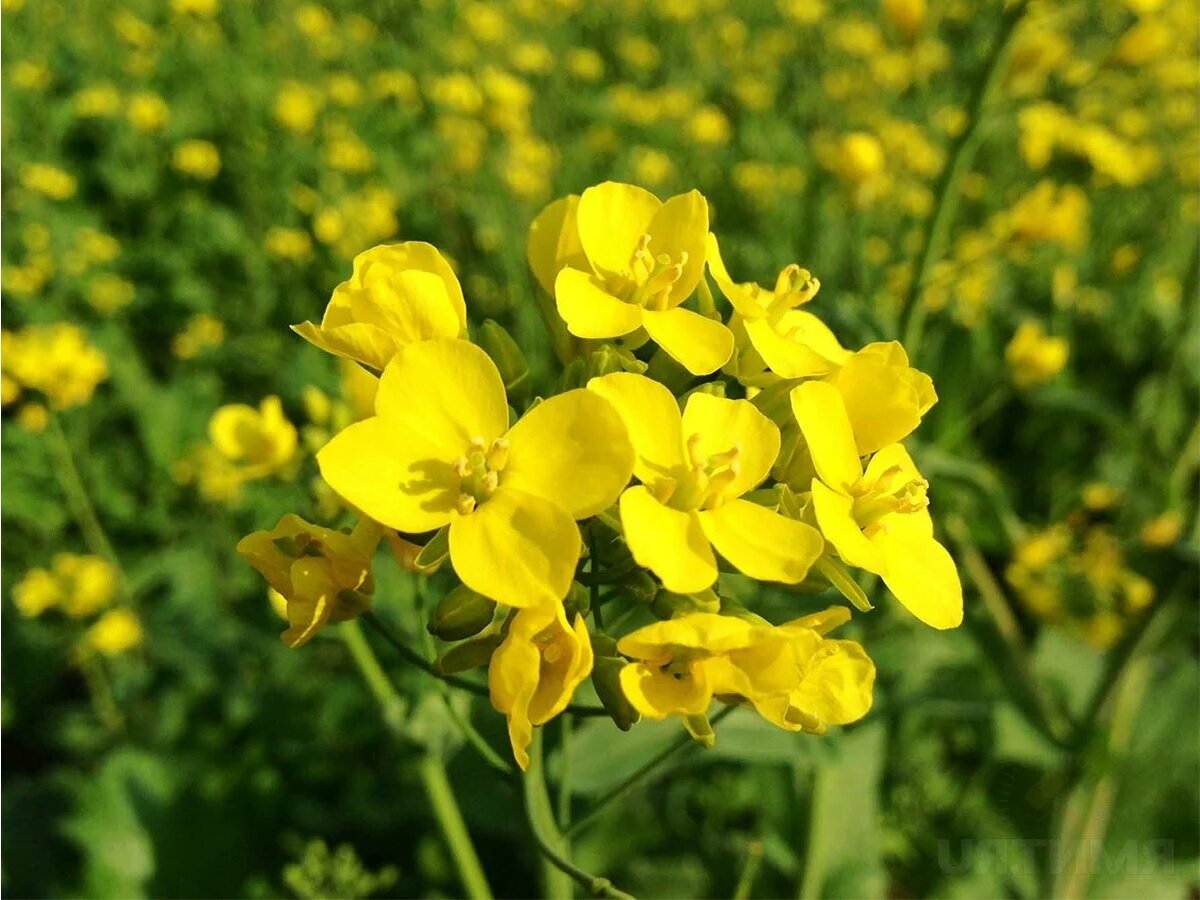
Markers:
(297, 106)
(324, 576)
(630, 261)
(48, 180)
(147, 112)
(201, 332)
(884, 396)
(117, 631)
(790, 342)
(197, 159)
(906, 16)
(860, 157)
(1034, 357)
(795, 678)
(535, 671)
(694, 469)
(876, 519)
(439, 452)
(1162, 531)
(398, 294)
(88, 583)
(57, 360)
(262, 441)
(36, 592)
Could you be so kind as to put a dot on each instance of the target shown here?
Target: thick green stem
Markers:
(947, 192)
(432, 769)
(812, 876)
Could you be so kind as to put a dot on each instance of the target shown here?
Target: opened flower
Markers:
(535, 671)
(438, 452)
(260, 441)
(397, 294)
(790, 342)
(624, 260)
(694, 469)
(877, 519)
(324, 576)
(885, 397)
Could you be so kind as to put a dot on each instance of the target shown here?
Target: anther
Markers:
(466, 504)
(497, 455)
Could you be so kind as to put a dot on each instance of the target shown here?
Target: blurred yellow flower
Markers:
(261, 441)
(205, 9)
(906, 16)
(33, 417)
(1099, 496)
(88, 583)
(106, 293)
(36, 592)
(117, 631)
(1034, 357)
(33, 75)
(147, 112)
(1162, 531)
(201, 332)
(439, 452)
(297, 106)
(709, 126)
(694, 469)
(197, 159)
(861, 157)
(288, 243)
(96, 246)
(56, 360)
(47, 180)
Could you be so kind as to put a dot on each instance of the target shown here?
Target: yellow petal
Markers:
(560, 677)
(882, 403)
(445, 391)
(821, 622)
(819, 409)
(512, 680)
(838, 685)
(516, 548)
(572, 450)
(668, 542)
(739, 295)
(835, 516)
(919, 571)
(796, 344)
(709, 632)
(656, 694)
(589, 310)
(416, 255)
(360, 342)
(396, 477)
(679, 230)
(721, 425)
(697, 343)
(554, 242)
(893, 456)
(230, 427)
(652, 420)
(410, 306)
(762, 543)
(612, 217)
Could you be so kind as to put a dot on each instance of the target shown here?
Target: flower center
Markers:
(479, 471)
(649, 278)
(893, 491)
(794, 287)
(706, 482)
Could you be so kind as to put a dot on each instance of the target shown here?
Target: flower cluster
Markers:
(687, 447)
(56, 361)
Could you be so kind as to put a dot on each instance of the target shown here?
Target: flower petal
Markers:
(819, 409)
(364, 343)
(796, 344)
(837, 687)
(721, 425)
(699, 344)
(656, 694)
(395, 477)
(512, 680)
(446, 391)
(881, 401)
(516, 548)
(415, 255)
(652, 420)
(410, 306)
(919, 571)
(740, 296)
(679, 230)
(835, 516)
(612, 217)
(761, 543)
(668, 542)
(554, 242)
(589, 310)
(572, 450)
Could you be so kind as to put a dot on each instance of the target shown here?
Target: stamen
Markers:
(497, 455)
(466, 504)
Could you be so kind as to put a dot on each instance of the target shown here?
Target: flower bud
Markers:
(500, 346)
(578, 601)
(468, 655)
(641, 586)
(606, 679)
(609, 358)
(668, 604)
(462, 613)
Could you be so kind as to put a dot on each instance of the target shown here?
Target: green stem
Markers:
(810, 880)
(414, 658)
(564, 771)
(553, 845)
(745, 883)
(947, 192)
(432, 769)
(639, 775)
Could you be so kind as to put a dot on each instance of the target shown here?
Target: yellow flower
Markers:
(197, 159)
(205, 9)
(201, 332)
(1099, 496)
(57, 360)
(296, 107)
(860, 157)
(694, 469)
(324, 576)
(33, 417)
(1162, 531)
(439, 452)
(640, 259)
(117, 631)
(709, 127)
(288, 243)
(97, 101)
(262, 441)
(1033, 357)
(147, 111)
(88, 583)
(884, 396)
(535, 671)
(397, 294)
(47, 180)
(107, 293)
(876, 519)
(906, 16)
(790, 342)
(37, 592)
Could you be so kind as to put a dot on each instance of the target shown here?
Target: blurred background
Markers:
(1010, 188)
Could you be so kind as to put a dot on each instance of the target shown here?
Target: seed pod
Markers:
(468, 655)
(462, 613)
(606, 679)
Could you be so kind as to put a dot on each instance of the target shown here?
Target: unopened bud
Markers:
(462, 613)
(500, 346)
(468, 655)
(578, 601)
(641, 586)
(433, 554)
(668, 604)
(609, 358)
(606, 679)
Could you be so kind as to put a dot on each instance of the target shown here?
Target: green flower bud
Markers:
(606, 679)
(578, 600)
(668, 604)
(500, 346)
(609, 358)
(468, 655)
(460, 614)
(641, 586)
